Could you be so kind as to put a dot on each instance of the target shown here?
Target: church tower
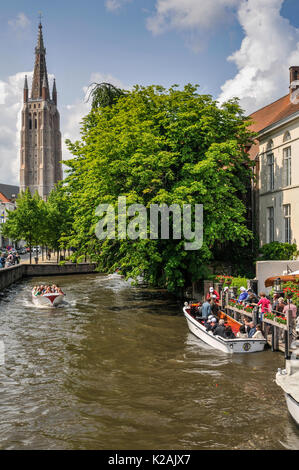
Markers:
(40, 167)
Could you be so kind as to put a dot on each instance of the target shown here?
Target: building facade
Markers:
(8, 195)
(276, 154)
(40, 158)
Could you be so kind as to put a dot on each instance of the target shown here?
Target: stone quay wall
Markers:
(14, 274)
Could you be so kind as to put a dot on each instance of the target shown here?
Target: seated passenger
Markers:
(252, 329)
(242, 332)
(220, 329)
(211, 324)
(258, 333)
(229, 334)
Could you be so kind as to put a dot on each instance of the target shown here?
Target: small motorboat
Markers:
(236, 345)
(288, 380)
(48, 300)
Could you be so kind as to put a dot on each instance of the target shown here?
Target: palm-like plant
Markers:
(104, 94)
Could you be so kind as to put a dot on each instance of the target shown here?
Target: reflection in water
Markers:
(116, 368)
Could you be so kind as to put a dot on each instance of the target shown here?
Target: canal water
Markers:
(116, 368)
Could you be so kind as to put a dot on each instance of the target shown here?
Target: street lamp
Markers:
(277, 285)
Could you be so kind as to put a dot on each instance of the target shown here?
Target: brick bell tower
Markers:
(40, 167)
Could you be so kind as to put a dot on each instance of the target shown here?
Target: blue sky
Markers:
(228, 47)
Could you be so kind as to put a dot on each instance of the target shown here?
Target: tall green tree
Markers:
(26, 222)
(158, 146)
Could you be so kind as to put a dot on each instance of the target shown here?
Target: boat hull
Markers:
(48, 300)
(230, 346)
(293, 407)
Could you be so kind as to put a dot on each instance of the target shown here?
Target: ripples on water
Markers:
(116, 368)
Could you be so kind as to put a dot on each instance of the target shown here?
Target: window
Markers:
(287, 164)
(270, 224)
(270, 144)
(270, 163)
(286, 137)
(287, 223)
(30, 123)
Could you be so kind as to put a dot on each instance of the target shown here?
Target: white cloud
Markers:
(20, 22)
(115, 5)
(11, 98)
(188, 14)
(269, 48)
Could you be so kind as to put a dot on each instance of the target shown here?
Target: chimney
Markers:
(294, 78)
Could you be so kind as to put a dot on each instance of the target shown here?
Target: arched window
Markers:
(270, 144)
(287, 136)
(30, 122)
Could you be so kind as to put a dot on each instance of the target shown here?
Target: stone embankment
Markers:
(15, 273)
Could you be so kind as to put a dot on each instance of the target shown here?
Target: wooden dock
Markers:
(278, 339)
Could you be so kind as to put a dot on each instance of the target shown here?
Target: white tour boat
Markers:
(288, 380)
(236, 345)
(48, 300)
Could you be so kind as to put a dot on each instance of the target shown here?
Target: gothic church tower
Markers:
(40, 166)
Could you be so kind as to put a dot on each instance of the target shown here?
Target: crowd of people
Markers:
(11, 259)
(44, 289)
(208, 311)
(247, 330)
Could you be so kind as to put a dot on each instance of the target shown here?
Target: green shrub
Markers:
(239, 282)
(278, 251)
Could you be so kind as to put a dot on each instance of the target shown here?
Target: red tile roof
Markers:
(270, 114)
(3, 198)
(273, 112)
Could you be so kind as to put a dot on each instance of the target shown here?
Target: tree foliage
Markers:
(157, 146)
(40, 222)
(104, 94)
(278, 251)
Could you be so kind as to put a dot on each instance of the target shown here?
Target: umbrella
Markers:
(289, 278)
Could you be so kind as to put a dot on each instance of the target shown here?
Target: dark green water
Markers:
(116, 368)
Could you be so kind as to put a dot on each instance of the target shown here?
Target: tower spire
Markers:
(40, 68)
(54, 92)
(25, 89)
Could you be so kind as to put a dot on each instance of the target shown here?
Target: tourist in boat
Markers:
(252, 329)
(242, 332)
(212, 324)
(214, 306)
(206, 308)
(211, 292)
(258, 333)
(220, 329)
(243, 295)
(228, 333)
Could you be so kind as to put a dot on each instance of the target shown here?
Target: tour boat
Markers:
(288, 380)
(236, 345)
(48, 300)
